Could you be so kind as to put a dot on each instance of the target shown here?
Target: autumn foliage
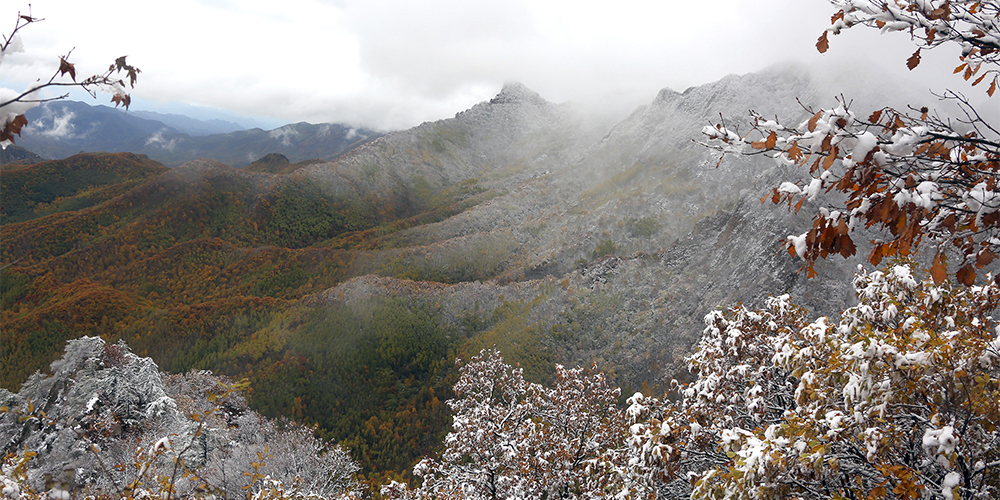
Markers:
(899, 398)
(209, 272)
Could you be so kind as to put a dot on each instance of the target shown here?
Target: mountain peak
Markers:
(513, 92)
(666, 94)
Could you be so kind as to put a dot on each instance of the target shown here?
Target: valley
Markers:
(344, 289)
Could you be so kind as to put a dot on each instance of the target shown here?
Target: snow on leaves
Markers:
(900, 399)
(515, 439)
(921, 178)
(916, 178)
(972, 24)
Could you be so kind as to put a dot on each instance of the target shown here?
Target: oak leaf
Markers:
(813, 120)
(772, 139)
(822, 44)
(939, 13)
(949, 222)
(122, 99)
(939, 270)
(984, 258)
(966, 275)
(794, 153)
(67, 67)
(827, 143)
(846, 245)
(878, 253)
(914, 60)
(828, 162)
(13, 127)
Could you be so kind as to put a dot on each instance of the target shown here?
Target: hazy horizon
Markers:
(391, 65)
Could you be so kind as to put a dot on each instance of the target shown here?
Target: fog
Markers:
(391, 64)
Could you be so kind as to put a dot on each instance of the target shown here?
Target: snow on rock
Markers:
(104, 405)
(97, 386)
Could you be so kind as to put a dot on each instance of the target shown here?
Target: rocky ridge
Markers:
(639, 308)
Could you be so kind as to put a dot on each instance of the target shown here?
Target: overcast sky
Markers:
(392, 64)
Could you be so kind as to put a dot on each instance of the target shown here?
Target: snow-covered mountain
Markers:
(561, 191)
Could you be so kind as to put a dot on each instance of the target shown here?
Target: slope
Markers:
(48, 187)
(345, 289)
(203, 265)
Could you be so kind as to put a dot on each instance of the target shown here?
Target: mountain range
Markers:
(59, 129)
(345, 289)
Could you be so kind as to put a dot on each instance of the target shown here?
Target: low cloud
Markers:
(62, 126)
(157, 140)
(286, 134)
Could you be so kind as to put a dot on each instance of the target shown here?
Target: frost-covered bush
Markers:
(900, 398)
(108, 422)
(515, 439)
(99, 401)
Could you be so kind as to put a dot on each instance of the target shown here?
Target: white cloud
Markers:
(62, 125)
(14, 46)
(396, 63)
(157, 139)
(286, 134)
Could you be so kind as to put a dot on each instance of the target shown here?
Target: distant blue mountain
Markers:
(60, 129)
(188, 125)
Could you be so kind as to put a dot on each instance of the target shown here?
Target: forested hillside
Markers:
(344, 291)
(42, 188)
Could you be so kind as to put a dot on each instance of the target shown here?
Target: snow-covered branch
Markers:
(14, 104)
(921, 178)
(901, 391)
(515, 439)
